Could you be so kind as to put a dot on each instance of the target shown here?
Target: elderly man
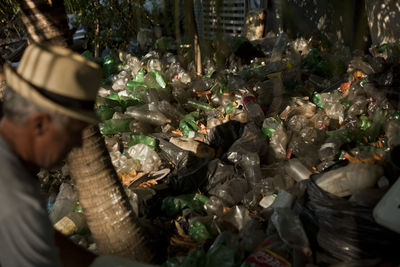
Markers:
(48, 101)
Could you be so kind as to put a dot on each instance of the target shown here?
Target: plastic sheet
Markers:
(223, 136)
(345, 232)
(251, 141)
(231, 192)
(189, 171)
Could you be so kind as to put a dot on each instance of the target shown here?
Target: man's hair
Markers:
(18, 109)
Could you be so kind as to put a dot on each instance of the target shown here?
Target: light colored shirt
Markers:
(26, 234)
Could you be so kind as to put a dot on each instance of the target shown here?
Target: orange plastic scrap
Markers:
(128, 178)
(344, 87)
(370, 160)
(352, 159)
(202, 128)
(177, 132)
(199, 94)
(148, 183)
(314, 169)
(200, 139)
(377, 144)
(358, 75)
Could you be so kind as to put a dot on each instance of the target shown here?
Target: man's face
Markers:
(54, 144)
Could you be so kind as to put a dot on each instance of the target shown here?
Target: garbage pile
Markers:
(287, 158)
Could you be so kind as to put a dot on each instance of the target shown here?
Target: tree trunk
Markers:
(197, 55)
(191, 33)
(177, 23)
(114, 226)
(110, 217)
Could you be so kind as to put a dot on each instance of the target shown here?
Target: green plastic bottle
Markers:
(143, 139)
(115, 126)
(105, 112)
(199, 105)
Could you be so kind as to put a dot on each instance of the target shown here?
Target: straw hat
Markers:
(58, 79)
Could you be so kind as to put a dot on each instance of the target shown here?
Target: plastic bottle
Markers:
(74, 222)
(349, 179)
(309, 135)
(332, 144)
(151, 81)
(108, 65)
(392, 132)
(378, 120)
(290, 229)
(240, 115)
(199, 105)
(200, 149)
(119, 85)
(222, 99)
(231, 192)
(214, 206)
(295, 169)
(148, 158)
(332, 106)
(133, 63)
(151, 117)
(297, 122)
(250, 163)
(114, 126)
(166, 108)
(359, 64)
(253, 109)
(278, 143)
(251, 141)
(143, 139)
(154, 64)
(139, 127)
(188, 125)
(320, 120)
(159, 78)
(105, 113)
(65, 202)
(270, 125)
(358, 107)
(279, 47)
(184, 77)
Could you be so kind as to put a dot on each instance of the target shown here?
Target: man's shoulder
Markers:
(18, 188)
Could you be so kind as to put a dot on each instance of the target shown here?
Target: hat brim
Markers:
(24, 89)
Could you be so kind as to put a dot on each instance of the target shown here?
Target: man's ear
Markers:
(39, 123)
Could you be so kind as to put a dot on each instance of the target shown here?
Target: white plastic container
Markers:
(387, 211)
(347, 180)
